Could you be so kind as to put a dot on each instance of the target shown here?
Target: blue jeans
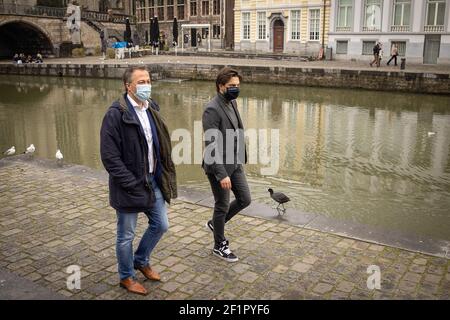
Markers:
(126, 226)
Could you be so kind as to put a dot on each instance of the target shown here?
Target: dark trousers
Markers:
(395, 60)
(376, 59)
(223, 209)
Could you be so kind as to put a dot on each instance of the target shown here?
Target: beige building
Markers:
(282, 26)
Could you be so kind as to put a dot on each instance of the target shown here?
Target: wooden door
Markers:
(278, 36)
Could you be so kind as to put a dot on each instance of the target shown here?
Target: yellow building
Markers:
(284, 26)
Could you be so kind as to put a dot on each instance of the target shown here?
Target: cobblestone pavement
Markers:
(335, 64)
(51, 218)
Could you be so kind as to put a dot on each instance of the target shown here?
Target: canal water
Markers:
(376, 158)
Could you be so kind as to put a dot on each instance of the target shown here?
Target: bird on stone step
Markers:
(10, 151)
(59, 157)
(31, 149)
(281, 199)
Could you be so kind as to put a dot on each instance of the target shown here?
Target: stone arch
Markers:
(20, 35)
(274, 17)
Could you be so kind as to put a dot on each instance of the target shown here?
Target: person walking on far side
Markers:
(394, 54)
(376, 54)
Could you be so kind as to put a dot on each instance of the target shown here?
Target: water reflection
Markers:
(357, 155)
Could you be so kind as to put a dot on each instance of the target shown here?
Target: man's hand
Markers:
(225, 183)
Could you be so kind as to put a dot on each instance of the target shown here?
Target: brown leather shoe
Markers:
(149, 273)
(133, 286)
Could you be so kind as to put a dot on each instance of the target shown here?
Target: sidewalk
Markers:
(13, 287)
(52, 217)
(257, 62)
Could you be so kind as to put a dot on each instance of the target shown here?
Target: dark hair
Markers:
(225, 75)
(129, 73)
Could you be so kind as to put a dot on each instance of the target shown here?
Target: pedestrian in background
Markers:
(376, 54)
(394, 54)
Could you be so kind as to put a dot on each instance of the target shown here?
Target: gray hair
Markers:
(128, 74)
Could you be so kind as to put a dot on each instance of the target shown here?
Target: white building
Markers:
(420, 28)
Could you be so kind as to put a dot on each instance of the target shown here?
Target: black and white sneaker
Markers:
(209, 226)
(223, 251)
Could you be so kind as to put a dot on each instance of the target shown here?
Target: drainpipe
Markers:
(323, 23)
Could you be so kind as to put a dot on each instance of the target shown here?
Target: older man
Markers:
(136, 152)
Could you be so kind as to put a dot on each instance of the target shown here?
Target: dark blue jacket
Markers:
(124, 151)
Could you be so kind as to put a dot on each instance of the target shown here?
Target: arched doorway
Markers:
(278, 36)
(22, 37)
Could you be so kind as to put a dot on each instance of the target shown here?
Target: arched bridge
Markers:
(30, 29)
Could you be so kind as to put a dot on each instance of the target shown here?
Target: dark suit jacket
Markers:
(215, 117)
(124, 153)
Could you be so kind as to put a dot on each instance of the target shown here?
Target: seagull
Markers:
(59, 157)
(280, 198)
(31, 149)
(10, 151)
(431, 133)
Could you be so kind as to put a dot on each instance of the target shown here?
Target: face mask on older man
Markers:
(143, 91)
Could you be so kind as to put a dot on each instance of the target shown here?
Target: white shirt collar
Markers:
(136, 105)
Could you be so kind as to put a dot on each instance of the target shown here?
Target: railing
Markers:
(97, 26)
(32, 10)
(434, 29)
(371, 29)
(399, 28)
(343, 29)
(105, 17)
(61, 13)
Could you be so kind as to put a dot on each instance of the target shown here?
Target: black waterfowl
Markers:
(280, 198)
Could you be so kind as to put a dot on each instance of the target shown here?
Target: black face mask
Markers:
(232, 93)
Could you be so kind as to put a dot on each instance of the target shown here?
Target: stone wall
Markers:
(415, 82)
(56, 31)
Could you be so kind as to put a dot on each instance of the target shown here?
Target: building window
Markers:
(160, 10)
(141, 11)
(261, 25)
(314, 24)
(402, 11)
(372, 16)
(193, 8)
(170, 14)
(205, 8)
(205, 32)
(368, 47)
(401, 16)
(151, 9)
(216, 31)
(246, 25)
(401, 46)
(341, 47)
(180, 9)
(345, 15)
(216, 7)
(295, 25)
(435, 12)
